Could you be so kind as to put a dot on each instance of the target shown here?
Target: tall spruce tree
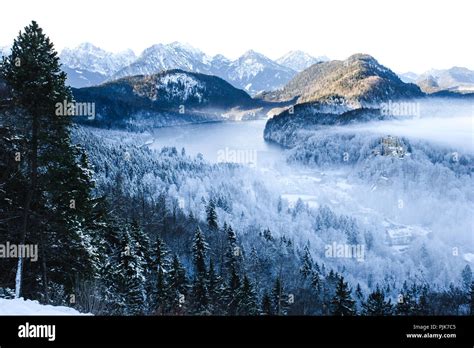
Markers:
(158, 279)
(133, 270)
(266, 306)
(177, 288)
(306, 268)
(216, 290)
(231, 263)
(279, 298)
(342, 303)
(211, 215)
(200, 291)
(57, 204)
(247, 301)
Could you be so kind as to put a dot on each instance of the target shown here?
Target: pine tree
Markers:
(177, 288)
(466, 276)
(123, 274)
(232, 292)
(215, 286)
(231, 263)
(266, 306)
(159, 284)
(247, 302)
(199, 253)
(57, 205)
(471, 299)
(406, 301)
(377, 305)
(423, 306)
(133, 269)
(212, 215)
(201, 301)
(232, 252)
(358, 292)
(316, 282)
(13, 184)
(306, 268)
(342, 303)
(279, 298)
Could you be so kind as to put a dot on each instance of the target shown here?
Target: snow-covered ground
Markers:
(20, 306)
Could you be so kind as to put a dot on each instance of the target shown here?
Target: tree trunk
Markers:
(28, 201)
(45, 273)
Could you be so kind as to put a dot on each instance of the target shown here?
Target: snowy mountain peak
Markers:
(251, 63)
(186, 47)
(91, 58)
(89, 47)
(251, 54)
(220, 58)
(298, 60)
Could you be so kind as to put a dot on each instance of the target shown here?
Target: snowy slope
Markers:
(20, 306)
(179, 85)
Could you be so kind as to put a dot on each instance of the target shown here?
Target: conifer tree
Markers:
(406, 301)
(306, 268)
(177, 288)
(200, 291)
(471, 299)
(376, 304)
(133, 271)
(279, 298)
(215, 286)
(358, 292)
(231, 266)
(466, 276)
(342, 303)
(247, 302)
(211, 215)
(159, 284)
(266, 306)
(57, 204)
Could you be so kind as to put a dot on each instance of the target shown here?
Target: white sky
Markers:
(405, 35)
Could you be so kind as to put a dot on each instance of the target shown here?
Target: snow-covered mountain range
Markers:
(252, 71)
(89, 65)
(456, 79)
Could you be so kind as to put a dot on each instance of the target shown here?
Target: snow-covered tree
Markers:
(377, 305)
(342, 302)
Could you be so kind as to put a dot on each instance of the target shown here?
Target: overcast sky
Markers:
(405, 35)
